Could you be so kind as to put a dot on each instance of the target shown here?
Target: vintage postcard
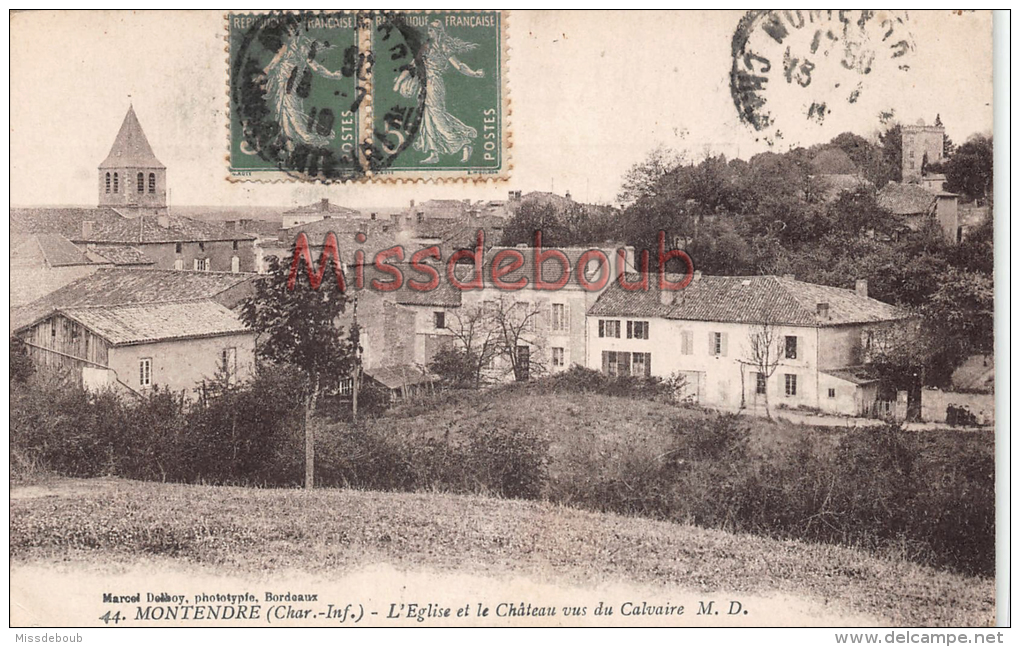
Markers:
(313, 324)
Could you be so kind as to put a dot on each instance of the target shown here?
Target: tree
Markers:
(516, 324)
(642, 179)
(297, 325)
(532, 216)
(969, 170)
(764, 352)
(476, 337)
(891, 142)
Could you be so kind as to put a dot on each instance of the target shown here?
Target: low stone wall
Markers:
(934, 403)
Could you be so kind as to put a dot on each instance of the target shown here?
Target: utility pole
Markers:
(356, 374)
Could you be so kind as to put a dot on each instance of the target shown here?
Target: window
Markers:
(791, 384)
(759, 383)
(145, 371)
(201, 246)
(235, 264)
(116, 183)
(609, 328)
(179, 247)
(179, 264)
(523, 363)
(791, 347)
(440, 319)
(347, 386)
(235, 245)
(558, 357)
(615, 364)
(201, 264)
(152, 182)
(228, 360)
(637, 330)
(717, 344)
(832, 393)
(686, 342)
(53, 328)
(559, 317)
(141, 182)
(641, 365)
(107, 182)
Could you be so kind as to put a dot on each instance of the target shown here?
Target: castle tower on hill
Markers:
(131, 179)
(920, 141)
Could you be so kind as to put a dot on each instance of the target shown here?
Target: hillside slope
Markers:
(84, 524)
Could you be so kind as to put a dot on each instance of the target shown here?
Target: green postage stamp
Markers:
(368, 95)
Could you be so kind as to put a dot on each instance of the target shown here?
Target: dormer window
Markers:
(141, 182)
(152, 182)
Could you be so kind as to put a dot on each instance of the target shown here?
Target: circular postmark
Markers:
(806, 64)
(300, 85)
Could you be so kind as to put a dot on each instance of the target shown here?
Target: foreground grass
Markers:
(246, 530)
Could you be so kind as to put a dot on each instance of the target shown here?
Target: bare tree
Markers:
(475, 334)
(765, 350)
(516, 326)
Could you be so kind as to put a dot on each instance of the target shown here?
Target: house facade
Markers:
(818, 338)
(136, 348)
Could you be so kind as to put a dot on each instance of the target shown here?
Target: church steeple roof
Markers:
(131, 148)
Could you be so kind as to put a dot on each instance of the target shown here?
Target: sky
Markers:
(591, 94)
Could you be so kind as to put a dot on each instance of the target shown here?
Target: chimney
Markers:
(86, 228)
(567, 196)
(412, 203)
(324, 204)
(374, 215)
(667, 297)
(697, 276)
(861, 287)
(823, 311)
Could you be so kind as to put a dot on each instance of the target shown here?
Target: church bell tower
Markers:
(131, 179)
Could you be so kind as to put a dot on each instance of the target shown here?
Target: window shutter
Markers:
(648, 364)
(630, 330)
(196, 264)
(711, 343)
(602, 333)
(624, 359)
(566, 316)
(605, 361)
(722, 344)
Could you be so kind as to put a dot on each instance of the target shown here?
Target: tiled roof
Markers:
(121, 255)
(146, 229)
(323, 207)
(136, 324)
(131, 148)
(852, 374)
(444, 296)
(747, 299)
(60, 252)
(394, 377)
(317, 230)
(66, 221)
(835, 183)
(552, 269)
(125, 286)
(905, 199)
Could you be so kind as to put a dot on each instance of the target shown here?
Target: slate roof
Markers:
(146, 229)
(905, 199)
(138, 324)
(127, 286)
(131, 147)
(747, 299)
(65, 221)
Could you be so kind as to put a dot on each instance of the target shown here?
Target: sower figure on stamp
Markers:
(440, 131)
(288, 81)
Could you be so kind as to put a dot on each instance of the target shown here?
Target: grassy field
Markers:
(239, 530)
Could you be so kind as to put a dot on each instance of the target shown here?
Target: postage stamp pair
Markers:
(368, 95)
